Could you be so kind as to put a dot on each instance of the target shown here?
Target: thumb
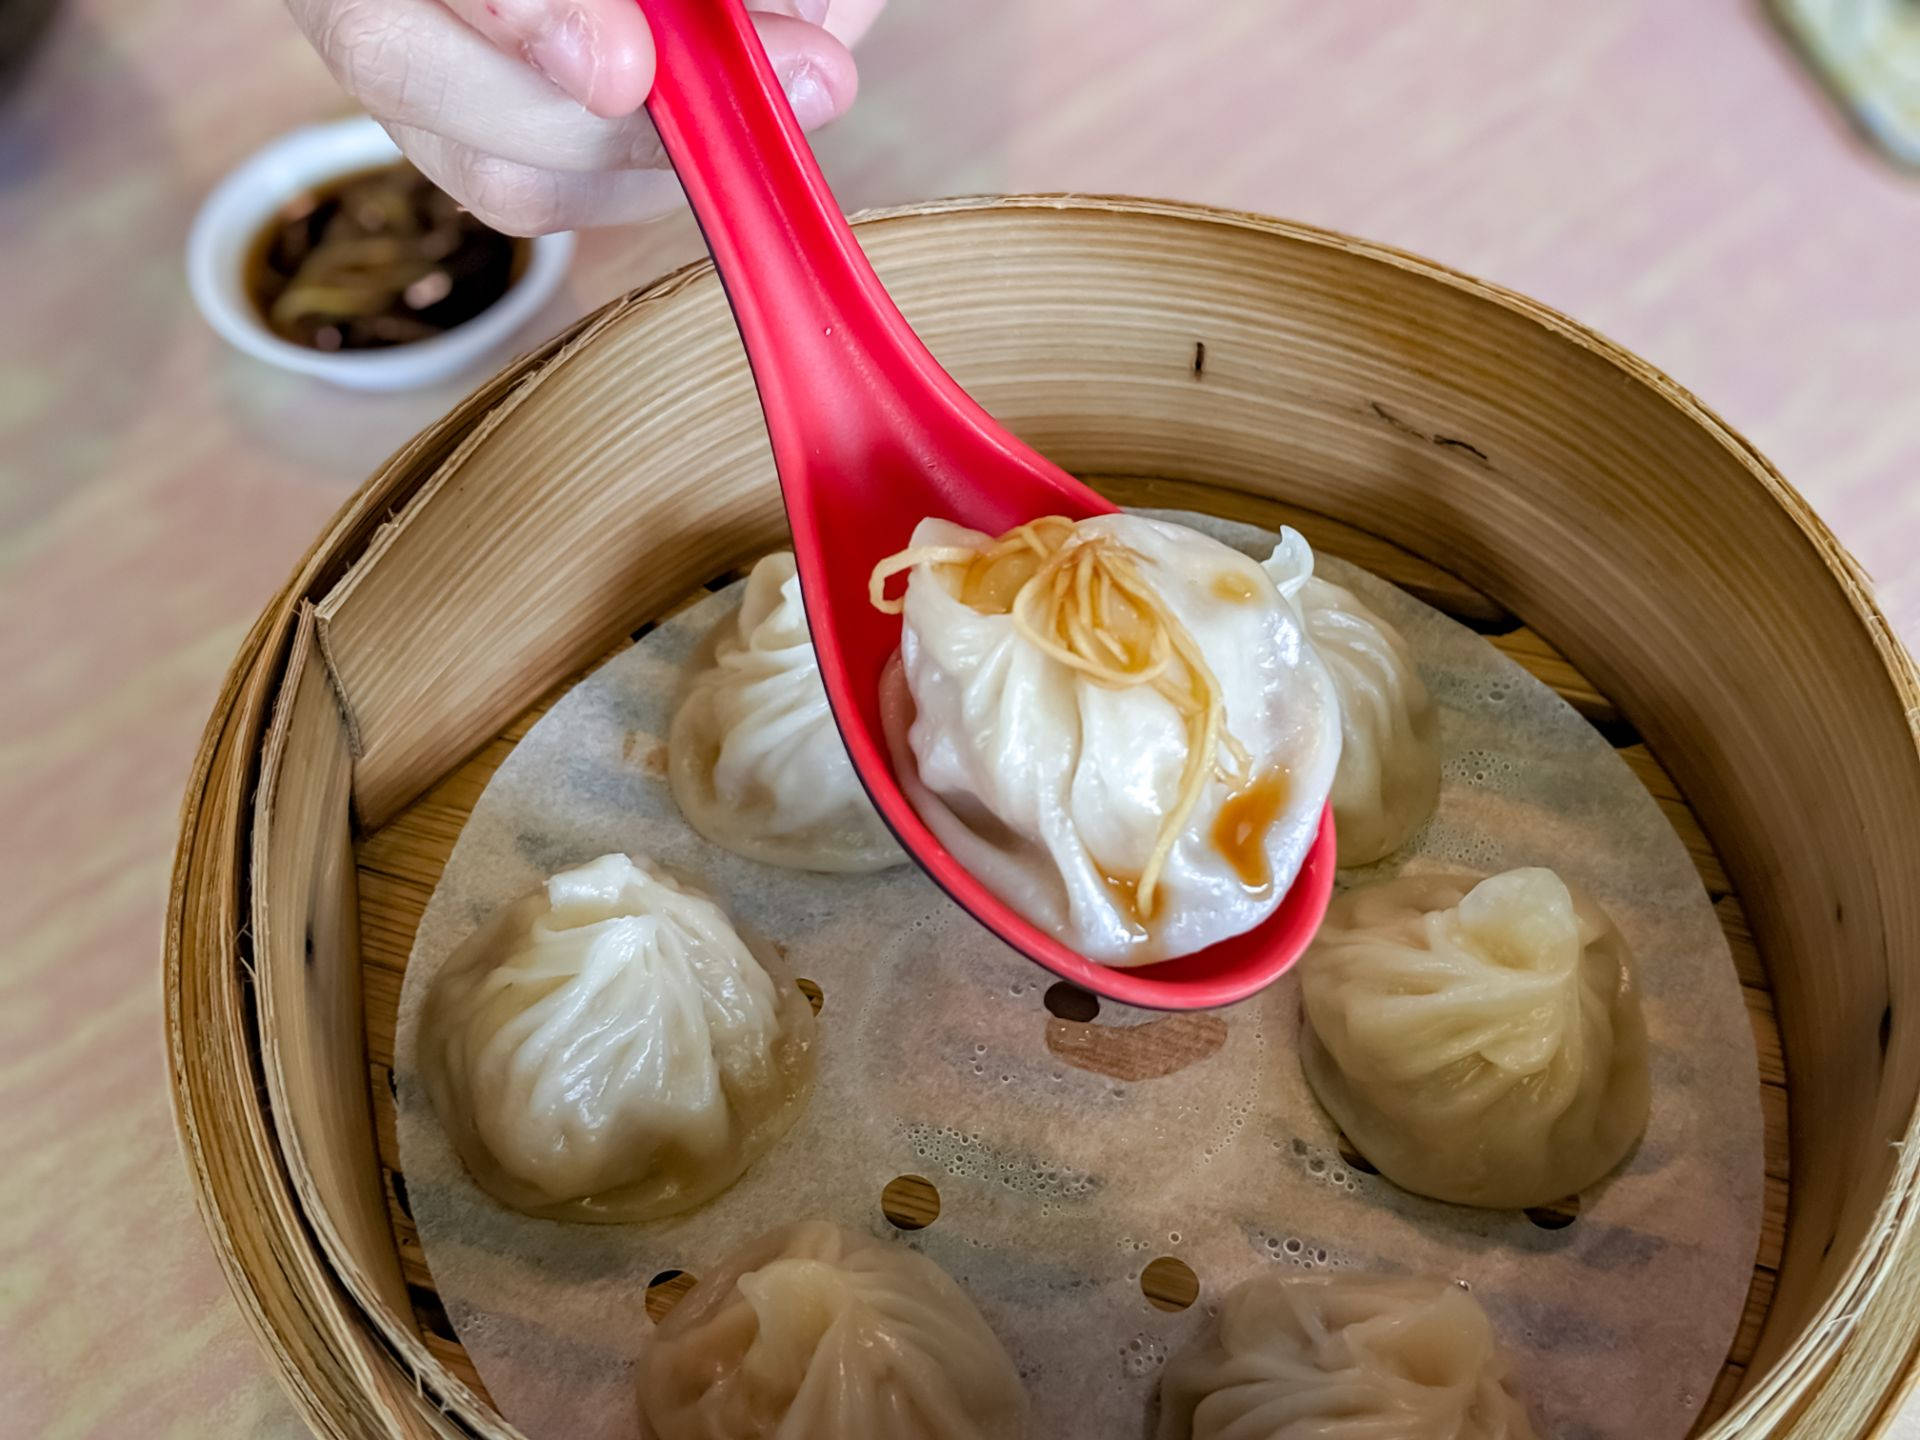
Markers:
(597, 51)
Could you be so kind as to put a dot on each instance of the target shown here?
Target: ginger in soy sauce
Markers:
(377, 259)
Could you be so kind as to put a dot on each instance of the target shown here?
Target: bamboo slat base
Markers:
(400, 864)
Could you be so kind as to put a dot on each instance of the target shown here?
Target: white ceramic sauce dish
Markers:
(241, 205)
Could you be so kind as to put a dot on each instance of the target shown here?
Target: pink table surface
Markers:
(1664, 172)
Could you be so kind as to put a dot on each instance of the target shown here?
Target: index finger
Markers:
(414, 63)
(598, 51)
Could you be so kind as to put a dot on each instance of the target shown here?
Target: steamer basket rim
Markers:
(261, 656)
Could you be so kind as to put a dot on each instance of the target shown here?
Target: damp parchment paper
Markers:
(1067, 1156)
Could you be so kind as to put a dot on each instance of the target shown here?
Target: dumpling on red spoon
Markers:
(1116, 724)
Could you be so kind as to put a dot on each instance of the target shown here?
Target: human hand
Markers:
(528, 111)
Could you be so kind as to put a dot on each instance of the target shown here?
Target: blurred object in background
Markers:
(21, 23)
(1867, 52)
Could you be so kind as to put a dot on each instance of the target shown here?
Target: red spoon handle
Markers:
(815, 320)
(870, 436)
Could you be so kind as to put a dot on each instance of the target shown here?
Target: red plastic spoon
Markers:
(870, 436)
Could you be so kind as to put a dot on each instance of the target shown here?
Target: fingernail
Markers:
(568, 53)
(814, 12)
(807, 93)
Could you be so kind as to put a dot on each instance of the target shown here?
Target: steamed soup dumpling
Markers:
(608, 1049)
(1309, 1357)
(1479, 1041)
(815, 1333)
(1389, 775)
(754, 758)
(1116, 725)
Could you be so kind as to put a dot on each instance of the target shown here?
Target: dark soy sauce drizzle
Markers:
(1240, 830)
(376, 259)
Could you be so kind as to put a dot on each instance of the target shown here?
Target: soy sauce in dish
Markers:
(376, 259)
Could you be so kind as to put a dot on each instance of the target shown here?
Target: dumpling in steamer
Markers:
(1309, 1357)
(1389, 775)
(1116, 725)
(815, 1333)
(608, 1049)
(1479, 1041)
(754, 759)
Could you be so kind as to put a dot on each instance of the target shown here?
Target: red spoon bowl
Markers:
(870, 436)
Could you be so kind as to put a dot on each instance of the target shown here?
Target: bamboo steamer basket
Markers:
(1502, 462)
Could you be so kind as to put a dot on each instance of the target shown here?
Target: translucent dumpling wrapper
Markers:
(1389, 776)
(609, 1049)
(813, 1332)
(1479, 1041)
(1315, 1357)
(1116, 725)
(754, 758)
